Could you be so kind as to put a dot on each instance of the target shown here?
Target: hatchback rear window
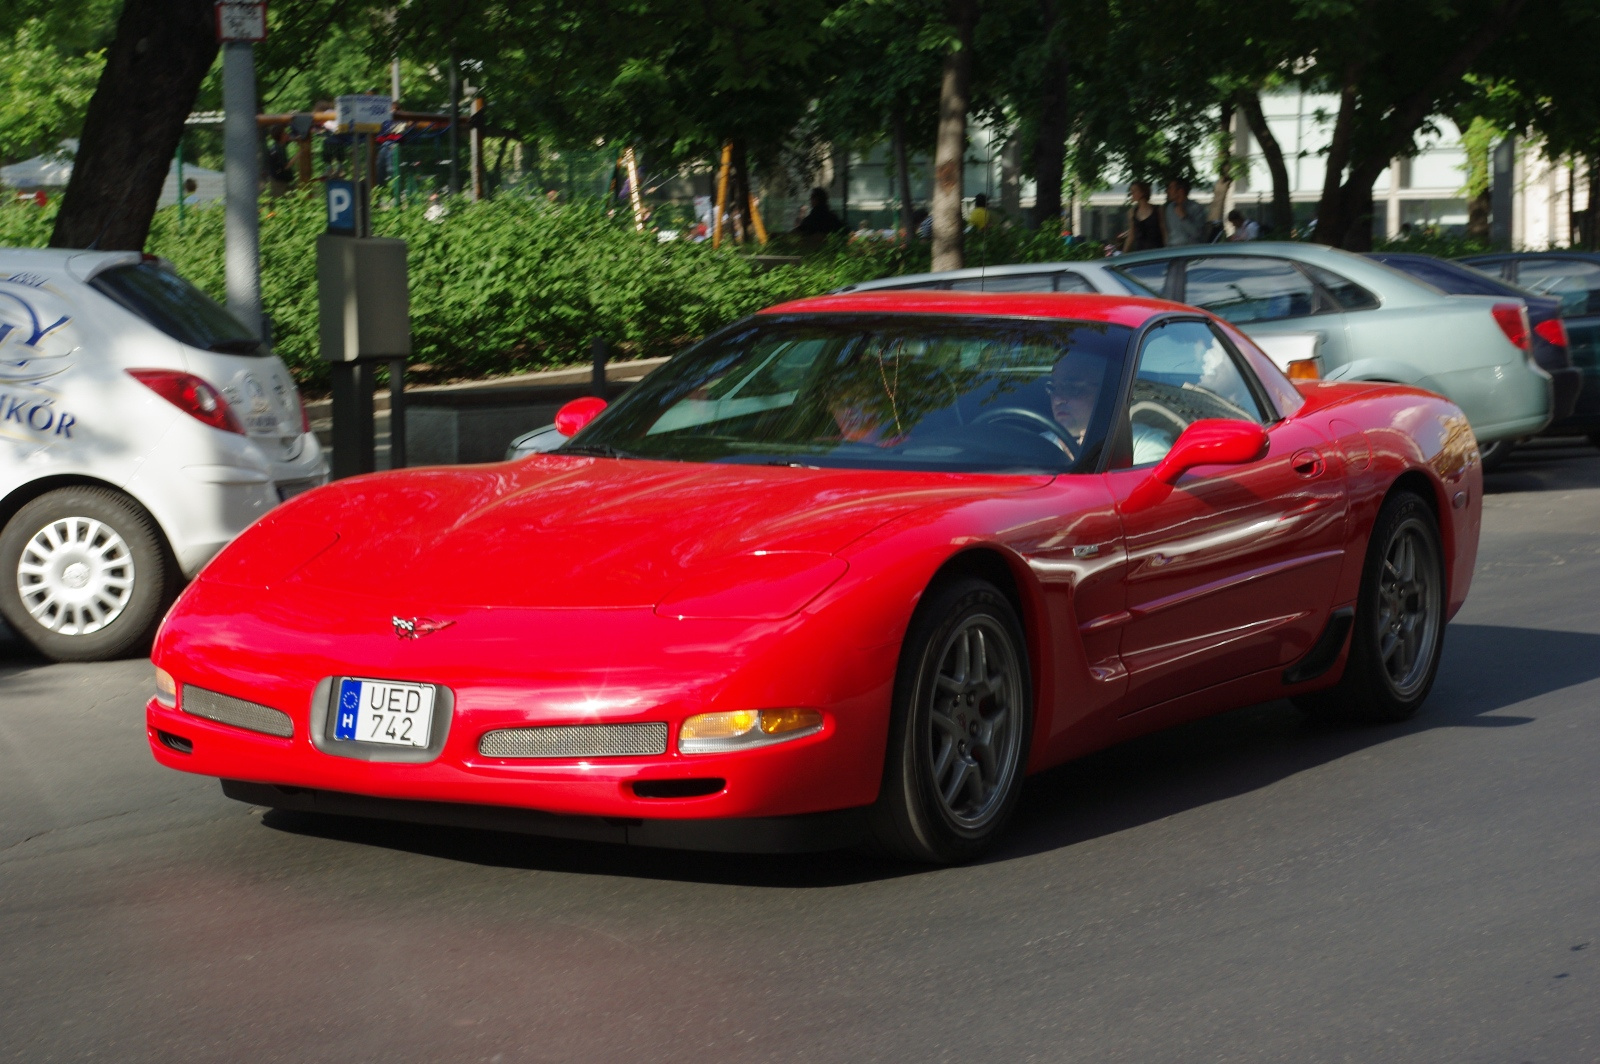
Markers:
(155, 293)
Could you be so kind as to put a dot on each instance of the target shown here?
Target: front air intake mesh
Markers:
(225, 709)
(580, 740)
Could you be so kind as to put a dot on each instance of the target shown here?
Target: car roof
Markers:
(1010, 269)
(63, 262)
(1293, 249)
(1131, 311)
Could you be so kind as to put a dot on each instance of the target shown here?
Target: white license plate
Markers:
(383, 711)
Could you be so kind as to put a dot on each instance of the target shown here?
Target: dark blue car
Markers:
(1573, 277)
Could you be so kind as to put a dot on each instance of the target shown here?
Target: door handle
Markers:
(1308, 464)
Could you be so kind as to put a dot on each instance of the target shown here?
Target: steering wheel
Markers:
(1033, 421)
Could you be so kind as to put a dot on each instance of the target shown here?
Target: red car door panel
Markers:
(1236, 569)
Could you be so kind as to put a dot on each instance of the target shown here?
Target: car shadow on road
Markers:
(1486, 669)
(1553, 464)
(1124, 787)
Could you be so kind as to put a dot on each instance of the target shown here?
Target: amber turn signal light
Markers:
(741, 729)
(1303, 369)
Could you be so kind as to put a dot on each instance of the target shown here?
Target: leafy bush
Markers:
(512, 284)
(1444, 245)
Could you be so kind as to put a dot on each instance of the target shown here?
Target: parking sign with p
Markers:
(341, 206)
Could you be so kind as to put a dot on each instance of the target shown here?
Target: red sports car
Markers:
(842, 573)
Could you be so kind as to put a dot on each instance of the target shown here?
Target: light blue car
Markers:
(1325, 312)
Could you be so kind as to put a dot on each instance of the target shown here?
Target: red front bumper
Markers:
(823, 771)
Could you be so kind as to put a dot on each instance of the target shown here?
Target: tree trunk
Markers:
(902, 172)
(1050, 138)
(162, 50)
(1333, 214)
(1343, 200)
(1218, 211)
(950, 148)
(1272, 152)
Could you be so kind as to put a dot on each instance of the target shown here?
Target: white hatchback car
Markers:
(142, 427)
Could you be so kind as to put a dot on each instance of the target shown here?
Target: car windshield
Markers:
(155, 293)
(911, 392)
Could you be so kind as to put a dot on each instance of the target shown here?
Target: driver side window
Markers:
(1185, 374)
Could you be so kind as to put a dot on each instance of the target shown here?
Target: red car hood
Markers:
(558, 531)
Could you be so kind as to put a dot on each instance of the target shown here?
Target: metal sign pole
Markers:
(242, 172)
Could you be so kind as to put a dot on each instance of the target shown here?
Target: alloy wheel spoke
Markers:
(958, 780)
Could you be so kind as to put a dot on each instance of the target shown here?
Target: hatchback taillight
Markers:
(1513, 321)
(191, 395)
(1553, 331)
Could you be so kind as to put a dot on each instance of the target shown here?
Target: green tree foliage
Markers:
(52, 62)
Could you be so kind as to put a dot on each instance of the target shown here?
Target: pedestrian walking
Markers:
(1243, 228)
(1183, 220)
(820, 219)
(980, 217)
(1146, 229)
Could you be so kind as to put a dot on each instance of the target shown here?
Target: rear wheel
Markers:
(1494, 455)
(1399, 623)
(963, 712)
(84, 574)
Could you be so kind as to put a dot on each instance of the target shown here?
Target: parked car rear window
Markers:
(1244, 288)
(1345, 292)
(154, 292)
(1151, 276)
(1573, 281)
(1015, 282)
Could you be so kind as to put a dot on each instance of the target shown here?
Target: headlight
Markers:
(741, 729)
(166, 689)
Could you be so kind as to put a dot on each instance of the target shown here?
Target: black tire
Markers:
(975, 747)
(1494, 455)
(109, 543)
(1594, 438)
(1399, 622)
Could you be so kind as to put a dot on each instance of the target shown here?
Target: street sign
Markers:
(341, 206)
(241, 21)
(362, 114)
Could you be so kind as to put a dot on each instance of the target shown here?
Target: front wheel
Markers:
(84, 574)
(1399, 624)
(958, 738)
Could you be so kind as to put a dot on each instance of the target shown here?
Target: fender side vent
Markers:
(1325, 651)
(691, 788)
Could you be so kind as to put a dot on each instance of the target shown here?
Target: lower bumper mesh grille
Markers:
(225, 709)
(580, 740)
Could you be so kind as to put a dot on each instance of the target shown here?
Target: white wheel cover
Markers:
(75, 575)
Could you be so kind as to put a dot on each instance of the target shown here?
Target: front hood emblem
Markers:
(417, 627)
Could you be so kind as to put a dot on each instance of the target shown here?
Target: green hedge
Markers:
(512, 284)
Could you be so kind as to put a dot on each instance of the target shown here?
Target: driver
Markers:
(1075, 385)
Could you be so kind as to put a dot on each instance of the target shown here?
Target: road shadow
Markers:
(1558, 463)
(1486, 668)
(535, 853)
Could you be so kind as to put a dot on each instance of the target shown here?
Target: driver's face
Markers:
(1074, 387)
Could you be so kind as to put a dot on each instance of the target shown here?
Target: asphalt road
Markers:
(1248, 888)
